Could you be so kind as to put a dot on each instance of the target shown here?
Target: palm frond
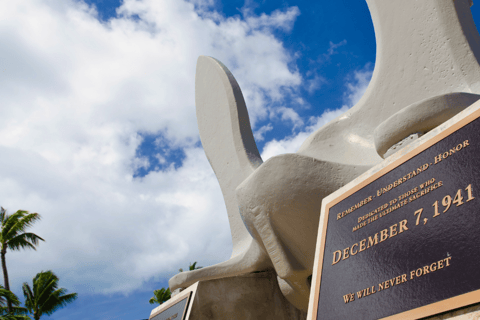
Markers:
(61, 301)
(15, 311)
(160, 296)
(29, 297)
(3, 301)
(193, 266)
(47, 283)
(32, 237)
(15, 317)
(24, 221)
(18, 223)
(19, 310)
(19, 244)
(3, 212)
(8, 295)
(8, 225)
(23, 241)
(27, 220)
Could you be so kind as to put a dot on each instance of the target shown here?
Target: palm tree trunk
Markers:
(5, 278)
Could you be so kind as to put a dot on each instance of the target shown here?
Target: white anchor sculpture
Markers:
(426, 71)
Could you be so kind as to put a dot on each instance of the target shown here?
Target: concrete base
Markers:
(468, 313)
(252, 296)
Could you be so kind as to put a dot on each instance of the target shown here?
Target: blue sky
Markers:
(99, 132)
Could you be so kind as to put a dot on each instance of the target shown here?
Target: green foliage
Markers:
(160, 296)
(8, 295)
(46, 297)
(14, 237)
(15, 317)
(191, 267)
(18, 313)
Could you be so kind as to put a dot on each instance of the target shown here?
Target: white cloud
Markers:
(315, 83)
(141, 162)
(314, 80)
(289, 115)
(355, 88)
(78, 93)
(160, 158)
(292, 143)
(260, 133)
(277, 19)
(333, 46)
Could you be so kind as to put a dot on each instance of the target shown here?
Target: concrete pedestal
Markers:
(252, 296)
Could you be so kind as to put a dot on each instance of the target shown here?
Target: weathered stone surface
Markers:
(469, 313)
(419, 118)
(253, 296)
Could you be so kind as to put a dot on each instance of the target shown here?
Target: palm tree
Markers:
(160, 296)
(46, 297)
(18, 313)
(14, 237)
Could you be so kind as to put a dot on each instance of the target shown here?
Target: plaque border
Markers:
(188, 292)
(429, 139)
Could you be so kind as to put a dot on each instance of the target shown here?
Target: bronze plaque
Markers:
(176, 311)
(405, 242)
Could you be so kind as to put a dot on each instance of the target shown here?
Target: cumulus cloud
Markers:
(290, 115)
(277, 20)
(355, 88)
(292, 143)
(79, 95)
(315, 83)
(260, 133)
